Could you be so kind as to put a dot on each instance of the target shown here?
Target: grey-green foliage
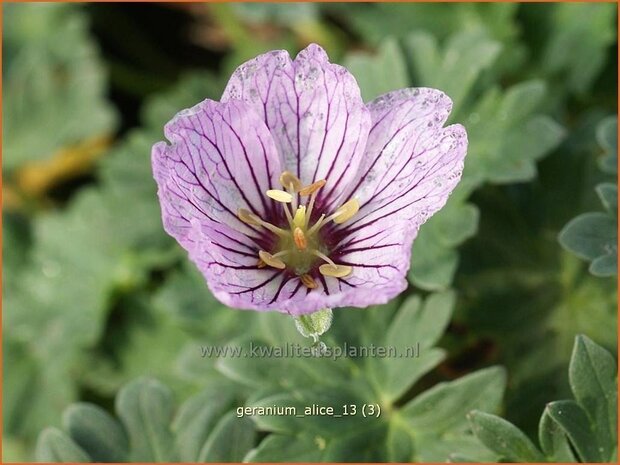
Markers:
(593, 236)
(587, 30)
(382, 72)
(150, 428)
(280, 14)
(375, 21)
(427, 428)
(607, 137)
(54, 83)
(56, 304)
(206, 427)
(586, 425)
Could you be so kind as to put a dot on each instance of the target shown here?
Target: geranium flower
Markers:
(291, 194)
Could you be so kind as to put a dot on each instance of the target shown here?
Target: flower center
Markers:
(299, 247)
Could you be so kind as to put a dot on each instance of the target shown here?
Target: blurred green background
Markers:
(96, 295)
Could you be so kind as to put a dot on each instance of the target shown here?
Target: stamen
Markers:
(346, 211)
(308, 281)
(290, 181)
(248, 217)
(324, 257)
(271, 260)
(261, 263)
(279, 196)
(316, 225)
(274, 229)
(311, 204)
(335, 271)
(315, 186)
(287, 212)
(300, 239)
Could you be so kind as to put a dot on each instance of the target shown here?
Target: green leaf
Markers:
(96, 432)
(231, 439)
(418, 327)
(399, 443)
(55, 446)
(444, 407)
(507, 136)
(440, 448)
(298, 400)
(55, 84)
(257, 364)
(196, 419)
(277, 328)
(187, 299)
(284, 448)
(587, 30)
(362, 381)
(457, 67)
(575, 423)
(36, 387)
(146, 342)
(145, 407)
(607, 137)
(284, 15)
(434, 258)
(593, 236)
(330, 438)
(503, 438)
(553, 440)
(380, 73)
(375, 21)
(593, 375)
(608, 193)
(191, 89)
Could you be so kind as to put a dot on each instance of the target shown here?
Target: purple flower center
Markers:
(298, 245)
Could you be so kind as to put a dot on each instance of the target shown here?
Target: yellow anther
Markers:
(315, 186)
(346, 211)
(335, 271)
(271, 260)
(248, 217)
(300, 217)
(279, 196)
(308, 281)
(300, 239)
(289, 180)
(261, 263)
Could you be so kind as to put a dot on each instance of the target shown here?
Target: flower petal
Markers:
(315, 112)
(231, 269)
(412, 163)
(222, 158)
(411, 166)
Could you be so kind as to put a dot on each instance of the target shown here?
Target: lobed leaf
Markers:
(145, 407)
(503, 438)
(593, 374)
(55, 446)
(96, 432)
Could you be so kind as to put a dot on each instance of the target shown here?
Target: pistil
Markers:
(300, 239)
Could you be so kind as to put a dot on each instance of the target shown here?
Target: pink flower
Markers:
(291, 194)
